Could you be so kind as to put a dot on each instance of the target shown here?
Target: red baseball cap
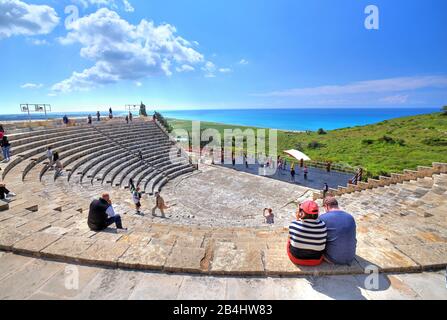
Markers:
(310, 207)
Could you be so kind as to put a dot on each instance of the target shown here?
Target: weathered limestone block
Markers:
(103, 253)
(428, 255)
(33, 226)
(237, 261)
(67, 248)
(183, 259)
(8, 237)
(150, 257)
(34, 243)
(387, 259)
(4, 205)
(440, 167)
(13, 223)
(136, 239)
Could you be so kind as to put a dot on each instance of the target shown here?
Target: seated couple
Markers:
(314, 238)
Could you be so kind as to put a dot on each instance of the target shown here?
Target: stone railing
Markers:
(394, 178)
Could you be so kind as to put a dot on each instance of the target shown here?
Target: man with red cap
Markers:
(307, 236)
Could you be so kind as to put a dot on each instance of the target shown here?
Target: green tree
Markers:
(444, 108)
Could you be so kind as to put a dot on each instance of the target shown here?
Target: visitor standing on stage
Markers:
(110, 113)
(98, 116)
(306, 171)
(325, 190)
(292, 174)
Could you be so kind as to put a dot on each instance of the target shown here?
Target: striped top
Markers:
(308, 235)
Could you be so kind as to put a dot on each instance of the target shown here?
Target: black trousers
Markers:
(3, 192)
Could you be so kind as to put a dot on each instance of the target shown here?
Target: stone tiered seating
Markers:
(401, 226)
(94, 152)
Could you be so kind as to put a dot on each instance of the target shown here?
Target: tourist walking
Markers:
(341, 233)
(131, 185)
(328, 167)
(89, 119)
(305, 171)
(50, 156)
(6, 149)
(159, 204)
(5, 194)
(307, 236)
(269, 216)
(325, 190)
(130, 116)
(136, 198)
(98, 215)
(57, 163)
(98, 116)
(65, 120)
(127, 119)
(284, 164)
(292, 174)
(110, 113)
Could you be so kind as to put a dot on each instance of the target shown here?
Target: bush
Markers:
(444, 109)
(163, 121)
(387, 139)
(314, 145)
(439, 142)
(367, 141)
(321, 131)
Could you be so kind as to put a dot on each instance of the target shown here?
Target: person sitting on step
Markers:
(5, 194)
(341, 233)
(307, 236)
(101, 214)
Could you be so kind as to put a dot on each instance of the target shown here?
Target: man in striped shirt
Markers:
(307, 236)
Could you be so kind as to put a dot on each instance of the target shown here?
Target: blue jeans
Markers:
(115, 220)
(6, 153)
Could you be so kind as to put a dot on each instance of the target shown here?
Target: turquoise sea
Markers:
(285, 119)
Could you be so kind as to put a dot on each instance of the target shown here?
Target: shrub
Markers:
(321, 131)
(314, 145)
(163, 121)
(387, 139)
(367, 141)
(439, 142)
(444, 109)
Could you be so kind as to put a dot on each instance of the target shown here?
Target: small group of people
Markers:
(293, 172)
(315, 237)
(5, 145)
(5, 194)
(54, 160)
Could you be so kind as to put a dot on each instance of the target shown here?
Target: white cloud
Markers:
(31, 86)
(370, 86)
(225, 70)
(127, 6)
(397, 99)
(243, 62)
(112, 4)
(20, 18)
(185, 68)
(123, 51)
(138, 84)
(38, 42)
(209, 68)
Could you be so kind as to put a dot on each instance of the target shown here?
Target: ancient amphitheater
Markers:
(214, 224)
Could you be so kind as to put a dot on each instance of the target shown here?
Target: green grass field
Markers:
(382, 148)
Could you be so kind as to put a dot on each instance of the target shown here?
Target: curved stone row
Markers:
(103, 153)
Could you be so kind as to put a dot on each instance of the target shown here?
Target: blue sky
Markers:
(222, 54)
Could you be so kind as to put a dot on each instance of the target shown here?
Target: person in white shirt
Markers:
(50, 156)
(136, 197)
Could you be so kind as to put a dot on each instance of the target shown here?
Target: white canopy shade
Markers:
(297, 155)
